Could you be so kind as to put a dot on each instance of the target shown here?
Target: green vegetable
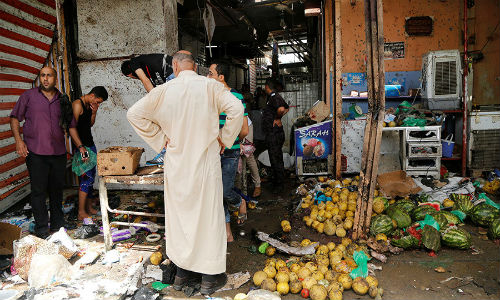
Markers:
(381, 224)
(484, 214)
(456, 238)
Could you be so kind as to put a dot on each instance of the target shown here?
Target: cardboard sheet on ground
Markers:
(397, 183)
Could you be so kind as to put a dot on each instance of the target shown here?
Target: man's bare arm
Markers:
(76, 139)
(279, 114)
(21, 148)
(282, 111)
(244, 129)
(144, 79)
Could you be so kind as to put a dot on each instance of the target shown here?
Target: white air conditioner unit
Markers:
(442, 79)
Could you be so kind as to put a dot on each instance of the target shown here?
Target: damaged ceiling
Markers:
(246, 28)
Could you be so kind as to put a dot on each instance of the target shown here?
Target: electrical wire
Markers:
(488, 38)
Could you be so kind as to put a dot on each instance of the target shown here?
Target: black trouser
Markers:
(47, 176)
(275, 138)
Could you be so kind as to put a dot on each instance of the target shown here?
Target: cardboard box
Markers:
(397, 183)
(10, 233)
(118, 160)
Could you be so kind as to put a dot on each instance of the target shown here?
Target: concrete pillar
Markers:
(108, 31)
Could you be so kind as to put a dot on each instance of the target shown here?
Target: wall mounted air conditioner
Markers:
(442, 79)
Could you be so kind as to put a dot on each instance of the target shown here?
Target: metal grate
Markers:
(486, 149)
(445, 82)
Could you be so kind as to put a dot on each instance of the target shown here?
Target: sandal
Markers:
(241, 219)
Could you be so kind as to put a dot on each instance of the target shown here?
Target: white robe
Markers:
(185, 111)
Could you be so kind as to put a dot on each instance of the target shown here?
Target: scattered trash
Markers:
(169, 269)
(87, 221)
(8, 294)
(25, 248)
(145, 293)
(378, 256)
(66, 245)
(361, 261)
(141, 200)
(154, 237)
(124, 234)
(86, 231)
(88, 258)
(158, 285)
(10, 233)
(114, 202)
(154, 272)
(263, 295)
(298, 251)
(46, 270)
(373, 267)
(21, 221)
(111, 257)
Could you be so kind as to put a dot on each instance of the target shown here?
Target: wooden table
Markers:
(131, 181)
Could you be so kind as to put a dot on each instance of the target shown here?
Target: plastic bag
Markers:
(145, 293)
(247, 148)
(67, 247)
(413, 122)
(262, 295)
(169, 269)
(79, 167)
(48, 269)
(25, 248)
(460, 214)
(86, 231)
(429, 220)
(362, 261)
(488, 201)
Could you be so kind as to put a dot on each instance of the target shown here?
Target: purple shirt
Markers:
(41, 132)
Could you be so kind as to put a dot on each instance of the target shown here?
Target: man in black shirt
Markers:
(152, 70)
(275, 109)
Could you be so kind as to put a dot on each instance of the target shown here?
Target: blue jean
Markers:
(229, 166)
(87, 179)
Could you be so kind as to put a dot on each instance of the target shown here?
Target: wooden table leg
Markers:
(103, 199)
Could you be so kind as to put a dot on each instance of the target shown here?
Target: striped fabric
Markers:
(253, 76)
(26, 31)
(222, 118)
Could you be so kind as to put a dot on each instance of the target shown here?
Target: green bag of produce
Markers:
(362, 261)
(429, 220)
(79, 167)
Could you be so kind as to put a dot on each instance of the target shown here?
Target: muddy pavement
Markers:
(469, 274)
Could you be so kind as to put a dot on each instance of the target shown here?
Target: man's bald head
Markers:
(48, 69)
(48, 78)
(182, 60)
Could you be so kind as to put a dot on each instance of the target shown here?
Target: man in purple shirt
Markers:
(44, 148)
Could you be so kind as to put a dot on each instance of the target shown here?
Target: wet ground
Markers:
(470, 274)
(409, 275)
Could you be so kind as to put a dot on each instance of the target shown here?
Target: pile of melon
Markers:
(336, 216)
(326, 276)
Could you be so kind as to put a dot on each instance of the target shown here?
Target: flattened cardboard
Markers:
(319, 111)
(8, 234)
(397, 183)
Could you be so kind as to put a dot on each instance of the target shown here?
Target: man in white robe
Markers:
(185, 113)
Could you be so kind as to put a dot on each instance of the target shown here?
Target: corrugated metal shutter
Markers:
(26, 31)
